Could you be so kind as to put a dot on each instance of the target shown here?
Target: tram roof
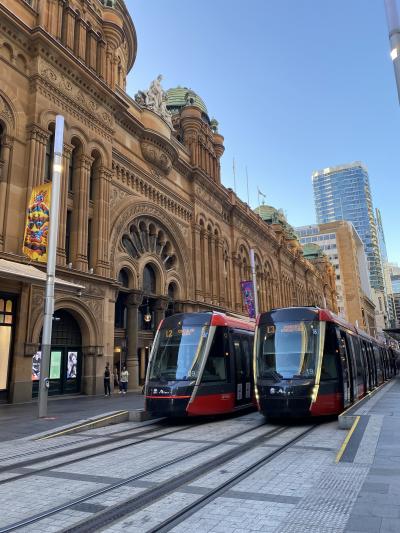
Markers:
(317, 313)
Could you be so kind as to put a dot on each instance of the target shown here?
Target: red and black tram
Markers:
(309, 361)
(201, 364)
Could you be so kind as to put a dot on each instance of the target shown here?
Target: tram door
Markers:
(242, 349)
(347, 373)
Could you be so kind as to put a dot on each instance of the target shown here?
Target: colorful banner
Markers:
(37, 224)
(248, 297)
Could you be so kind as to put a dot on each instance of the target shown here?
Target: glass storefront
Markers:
(66, 357)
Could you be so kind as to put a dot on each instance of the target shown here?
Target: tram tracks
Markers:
(110, 436)
(147, 497)
(10, 469)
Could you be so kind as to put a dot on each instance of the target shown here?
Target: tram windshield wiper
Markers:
(273, 374)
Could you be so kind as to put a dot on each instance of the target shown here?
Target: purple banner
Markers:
(248, 297)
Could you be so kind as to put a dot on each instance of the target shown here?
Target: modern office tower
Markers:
(341, 243)
(386, 270)
(343, 193)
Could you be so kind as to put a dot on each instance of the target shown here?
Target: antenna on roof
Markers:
(247, 183)
(234, 175)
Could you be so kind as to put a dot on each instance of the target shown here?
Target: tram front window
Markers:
(288, 350)
(178, 353)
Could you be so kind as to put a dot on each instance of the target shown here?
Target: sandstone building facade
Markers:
(146, 227)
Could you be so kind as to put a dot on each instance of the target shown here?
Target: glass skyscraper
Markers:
(343, 193)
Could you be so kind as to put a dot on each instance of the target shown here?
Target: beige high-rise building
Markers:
(341, 243)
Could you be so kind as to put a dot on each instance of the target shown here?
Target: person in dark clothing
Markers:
(107, 380)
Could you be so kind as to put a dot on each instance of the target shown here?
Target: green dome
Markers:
(177, 98)
(271, 215)
(312, 251)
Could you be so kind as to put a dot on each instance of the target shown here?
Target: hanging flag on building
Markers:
(37, 224)
(248, 297)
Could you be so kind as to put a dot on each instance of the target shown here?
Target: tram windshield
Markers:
(178, 352)
(288, 350)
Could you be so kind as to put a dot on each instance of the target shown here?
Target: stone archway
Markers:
(152, 243)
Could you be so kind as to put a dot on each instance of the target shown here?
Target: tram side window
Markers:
(379, 363)
(372, 364)
(329, 368)
(216, 365)
(358, 359)
(247, 350)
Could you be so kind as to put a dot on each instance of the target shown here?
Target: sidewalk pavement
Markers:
(21, 420)
(377, 508)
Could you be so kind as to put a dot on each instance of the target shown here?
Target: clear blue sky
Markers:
(296, 85)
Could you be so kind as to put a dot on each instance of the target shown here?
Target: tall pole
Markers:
(254, 276)
(51, 266)
(234, 175)
(247, 182)
(393, 20)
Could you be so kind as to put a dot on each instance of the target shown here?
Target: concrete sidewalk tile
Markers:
(379, 488)
(390, 525)
(364, 524)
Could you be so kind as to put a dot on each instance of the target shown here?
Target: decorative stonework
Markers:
(6, 113)
(69, 89)
(156, 156)
(117, 196)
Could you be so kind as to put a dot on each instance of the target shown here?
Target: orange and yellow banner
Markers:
(37, 224)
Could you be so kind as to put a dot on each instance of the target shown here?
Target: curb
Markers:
(107, 419)
(347, 418)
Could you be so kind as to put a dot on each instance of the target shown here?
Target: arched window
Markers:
(48, 165)
(123, 278)
(94, 168)
(149, 280)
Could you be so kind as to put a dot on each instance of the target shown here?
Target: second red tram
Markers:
(200, 364)
(309, 361)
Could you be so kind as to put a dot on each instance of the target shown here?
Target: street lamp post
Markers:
(51, 266)
(392, 15)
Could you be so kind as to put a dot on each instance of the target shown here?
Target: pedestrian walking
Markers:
(107, 380)
(116, 378)
(123, 382)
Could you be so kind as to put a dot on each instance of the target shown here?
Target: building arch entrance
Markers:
(66, 356)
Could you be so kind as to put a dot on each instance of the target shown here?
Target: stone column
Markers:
(80, 214)
(4, 186)
(197, 261)
(101, 59)
(160, 308)
(61, 252)
(221, 268)
(82, 40)
(213, 268)
(101, 220)
(133, 301)
(92, 59)
(143, 368)
(207, 273)
(69, 15)
(236, 293)
(37, 152)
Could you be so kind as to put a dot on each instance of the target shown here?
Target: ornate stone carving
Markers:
(5, 112)
(117, 195)
(155, 99)
(69, 89)
(156, 156)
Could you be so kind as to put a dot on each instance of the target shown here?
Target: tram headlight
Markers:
(314, 393)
